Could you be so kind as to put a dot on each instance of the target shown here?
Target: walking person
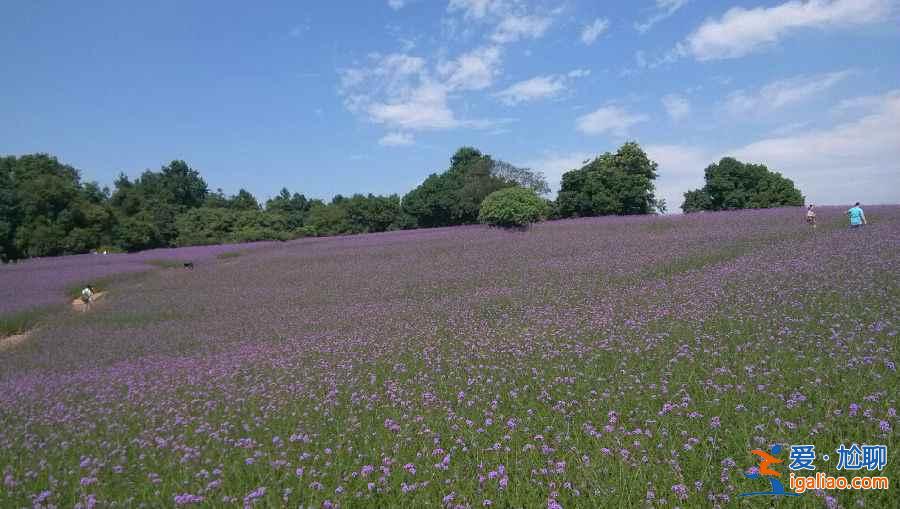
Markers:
(811, 215)
(857, 216)
(87, 295)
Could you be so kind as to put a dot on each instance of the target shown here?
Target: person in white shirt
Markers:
(87, 295)
(811, 215)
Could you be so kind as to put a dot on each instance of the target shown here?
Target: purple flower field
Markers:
(43, 281)
(603, 362)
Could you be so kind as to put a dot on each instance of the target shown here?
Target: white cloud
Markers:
(424, 108)
(404, 93)
(855, 160)
(609, 119)
(579, 73)
(680, 168)
(554, 165)
(474, 70)
(513, 27)
(539, 87)
(396, 4)
(298, 30)
(782, 93)
(591, 32)
(664, 9)
(850, 161)
(396, 139)
(742, 31)
(476, 9)
(678, 107)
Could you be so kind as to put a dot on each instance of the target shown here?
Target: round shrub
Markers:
(511, 207)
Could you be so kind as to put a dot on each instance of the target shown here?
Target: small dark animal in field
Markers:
(189, 265)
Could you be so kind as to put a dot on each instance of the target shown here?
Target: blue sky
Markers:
(344, 97)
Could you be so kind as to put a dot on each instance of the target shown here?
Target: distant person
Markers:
(87, 295)
(857, 216)
(811, 215)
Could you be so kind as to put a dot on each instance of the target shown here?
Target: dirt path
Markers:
(13, 341)
(79, 305)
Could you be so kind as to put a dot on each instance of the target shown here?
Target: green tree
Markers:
(293, 208)
(332, 219)
(158, 198)
(47, 211)
(731, 184)
(8, 210)
(243, 201)
(695, 201)
(512, 206)
(524, 177)
(455, 196)
(620, 183)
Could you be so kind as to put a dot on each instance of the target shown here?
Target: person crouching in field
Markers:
(857, 216)
(811, 215)
(87, 294)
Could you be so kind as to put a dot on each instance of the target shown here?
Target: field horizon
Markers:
(628, 361)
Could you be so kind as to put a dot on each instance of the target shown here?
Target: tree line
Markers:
(46, 209)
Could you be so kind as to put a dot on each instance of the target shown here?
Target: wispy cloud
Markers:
(664, 9)
(396, 4)
(742, 31)
(512, 28)
(403, 92)
(782, 93)
(474, 70)
(553, 165)
(539, 87)
(609, 119)
(592, 31)
(396, 139)
(677, 106)
(512, 20)
(841, 164)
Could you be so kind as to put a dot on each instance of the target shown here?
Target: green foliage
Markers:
(620, 183)
(20, 322)
(45, 210)
(455, 196)
(696, 200)
(524, 177)
(243, 201)
(512, 206)
(206, 225)
(731, 184)
(292, 207)
(157, 199)
(324, 220)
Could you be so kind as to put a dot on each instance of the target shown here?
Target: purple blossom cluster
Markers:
(604, 362)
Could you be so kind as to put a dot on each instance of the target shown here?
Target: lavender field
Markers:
(603, 362)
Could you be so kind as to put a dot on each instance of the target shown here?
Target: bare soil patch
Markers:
(13, 341)
(79, 305)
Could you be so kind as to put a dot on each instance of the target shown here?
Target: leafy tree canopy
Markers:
(512, 206)
(731, 184)
(455, 196)
(620, 183)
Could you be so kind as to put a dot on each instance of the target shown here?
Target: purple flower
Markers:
(187, 498)
(680, 491)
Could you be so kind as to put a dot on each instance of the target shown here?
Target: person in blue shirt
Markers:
(857, 216)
